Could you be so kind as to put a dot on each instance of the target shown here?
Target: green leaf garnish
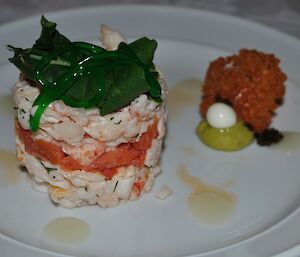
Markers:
(85, 75)
(50, 169)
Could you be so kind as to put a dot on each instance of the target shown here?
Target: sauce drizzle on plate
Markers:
(6, 106)
(9, 171)
(289, 144)
(188, 151)
(210, 205)
(184, 94)
(67, 230)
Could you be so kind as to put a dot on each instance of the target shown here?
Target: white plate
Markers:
(265, 181)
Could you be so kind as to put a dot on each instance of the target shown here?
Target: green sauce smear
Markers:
(84, 75)
(234, 138)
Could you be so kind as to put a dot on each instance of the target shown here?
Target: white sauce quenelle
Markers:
(221, 116)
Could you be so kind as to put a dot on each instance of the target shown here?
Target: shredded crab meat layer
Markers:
(79, 188)
(85, 134)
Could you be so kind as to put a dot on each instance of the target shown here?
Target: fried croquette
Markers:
(251, 82)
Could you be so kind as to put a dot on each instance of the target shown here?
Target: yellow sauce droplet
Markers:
(67, 230)
(234, 138)
(188, 151)
(6, 105)
(228, 183)
(184, 94)
(210, 205)
(9, 168)
(289, 144)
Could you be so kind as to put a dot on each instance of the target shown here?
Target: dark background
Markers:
(280, 14)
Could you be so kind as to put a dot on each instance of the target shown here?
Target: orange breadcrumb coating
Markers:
(251, 82)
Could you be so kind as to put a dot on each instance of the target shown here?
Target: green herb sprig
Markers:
(85, 75)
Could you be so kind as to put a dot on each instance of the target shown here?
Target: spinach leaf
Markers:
(50, 39)
(144, 58)
(86, 92)
(24, 61)
(27, 60)
(86, 75)
(144, 48)
(128, 82)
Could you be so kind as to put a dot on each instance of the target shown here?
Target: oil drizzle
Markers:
(184, 94)
(6, 106)
(209, 205)
(289, 144)
(189, 151)
(67, 230)
(9, 168)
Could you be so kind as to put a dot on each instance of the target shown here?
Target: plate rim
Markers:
(23, 22)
